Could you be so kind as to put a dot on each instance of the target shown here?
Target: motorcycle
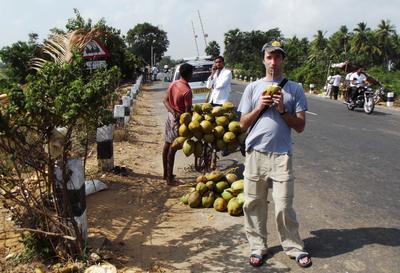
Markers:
(380, 94)
(364, 99)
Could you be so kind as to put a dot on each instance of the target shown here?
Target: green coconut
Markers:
(206, 126)
(201, 178)
(201, 188)
(221, 186)
(188, 147)
(185, 199)
(197, 108)
(240, 198)
(206, 107)
(271, 90)
(228, 106)
(234, 127)
(221, 145)
(220, 204)
(185, 118)
(178, 143)
(214, 176)
(198, 135)
(209, 138)
(183, 131)
(196, 116)
(219, 131)
(234, 207)
(194, 199)
(217, 111)
(210, 185)
(230, 178)
(238, 185)
(209, 117)
(222, 121)
(207, 200)
(229, 137)
(227, 195)
(194, 126)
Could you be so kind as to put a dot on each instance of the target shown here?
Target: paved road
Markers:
(348, 173)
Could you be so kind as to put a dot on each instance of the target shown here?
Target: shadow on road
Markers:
(332, 242)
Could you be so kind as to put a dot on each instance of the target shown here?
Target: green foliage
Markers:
(391, 80)
(35, 246)
(61, 94)
(213, 49)
(16, 58)
(145, 36)
(243, 50)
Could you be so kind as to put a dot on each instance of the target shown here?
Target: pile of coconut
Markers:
(223, 191)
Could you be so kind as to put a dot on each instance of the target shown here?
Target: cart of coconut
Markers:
(208, 130)
(223, 191)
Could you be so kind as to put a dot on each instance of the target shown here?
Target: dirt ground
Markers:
(139, 224)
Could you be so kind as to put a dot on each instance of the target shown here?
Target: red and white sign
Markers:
(94, 50)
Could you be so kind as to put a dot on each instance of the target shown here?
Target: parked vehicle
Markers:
(380, 94)
(364, 99)
(202, 70)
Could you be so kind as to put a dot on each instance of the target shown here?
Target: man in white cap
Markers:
(269, 157)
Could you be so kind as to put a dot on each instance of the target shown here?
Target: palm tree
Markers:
(360, 41)
(385, 34)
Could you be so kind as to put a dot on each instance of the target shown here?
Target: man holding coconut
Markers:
(270, 108)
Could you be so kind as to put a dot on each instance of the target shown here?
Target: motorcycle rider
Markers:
(357, 80)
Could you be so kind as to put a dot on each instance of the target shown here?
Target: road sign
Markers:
(94, 50)
(95, 64)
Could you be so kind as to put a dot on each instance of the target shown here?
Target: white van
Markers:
(201, 72)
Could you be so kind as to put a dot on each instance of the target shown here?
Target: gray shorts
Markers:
(171, 128)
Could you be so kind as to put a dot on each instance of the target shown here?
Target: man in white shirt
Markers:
(220, 82)
(335, 86)
(357, 79)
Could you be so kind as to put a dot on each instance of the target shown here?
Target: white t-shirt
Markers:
(360, 79)
(336, 80)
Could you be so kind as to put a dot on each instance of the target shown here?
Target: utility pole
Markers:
(205, 35)
(195, 39)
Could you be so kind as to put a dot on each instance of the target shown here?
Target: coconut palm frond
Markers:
(59, 47)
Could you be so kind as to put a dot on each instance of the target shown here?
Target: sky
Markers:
(302, 18)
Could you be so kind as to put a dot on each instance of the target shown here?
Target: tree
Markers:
(339, 44)
(385, 40)
(111, 38)
(16, 58)
(213, 49)
(145, 39)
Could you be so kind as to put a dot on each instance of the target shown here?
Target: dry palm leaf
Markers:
(59, 47)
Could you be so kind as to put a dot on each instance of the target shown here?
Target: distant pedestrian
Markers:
(269, 157)
(178, 100)
(154, 72)
(335, 86)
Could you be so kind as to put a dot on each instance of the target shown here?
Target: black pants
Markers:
(334, 91)
(353, 93)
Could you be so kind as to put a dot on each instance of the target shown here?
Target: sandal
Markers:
(300, 260)
(256, 260)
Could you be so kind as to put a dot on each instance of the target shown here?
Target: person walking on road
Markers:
(220, 82)
(178, 100)
(269, 157)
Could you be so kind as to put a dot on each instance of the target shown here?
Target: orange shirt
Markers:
(180, 96)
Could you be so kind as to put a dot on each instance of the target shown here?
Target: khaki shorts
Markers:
(171, 128)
